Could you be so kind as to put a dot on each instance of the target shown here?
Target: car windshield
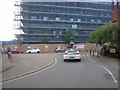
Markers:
(71, 50)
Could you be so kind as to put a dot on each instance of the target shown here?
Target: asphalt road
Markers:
(84, 74)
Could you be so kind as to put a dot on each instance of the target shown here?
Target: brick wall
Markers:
(43, 47)
(116, 15)
(46, 48)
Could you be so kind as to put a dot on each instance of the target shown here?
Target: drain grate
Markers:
(107, 76)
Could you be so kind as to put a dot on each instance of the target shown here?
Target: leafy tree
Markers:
(18, 40)
(68, 36)
(106, 33)
(45, 40)
(110, 34)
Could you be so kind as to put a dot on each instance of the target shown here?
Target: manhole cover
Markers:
(107, 76)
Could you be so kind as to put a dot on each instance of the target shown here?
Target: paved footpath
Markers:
(111, 61)
(111, 64)
(25, 63)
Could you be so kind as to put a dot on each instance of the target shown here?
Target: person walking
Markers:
(9, 54)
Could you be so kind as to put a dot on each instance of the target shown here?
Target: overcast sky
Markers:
(6, 17)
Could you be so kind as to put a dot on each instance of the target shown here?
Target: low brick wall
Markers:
(46, 48)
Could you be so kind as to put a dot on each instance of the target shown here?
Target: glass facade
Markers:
(53, 19)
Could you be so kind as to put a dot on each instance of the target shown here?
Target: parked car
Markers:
(14, 52)
(72, 54)
(33, 50)
(59, 49)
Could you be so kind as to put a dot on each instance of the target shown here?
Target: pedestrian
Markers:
(9, 54)
(90, 51)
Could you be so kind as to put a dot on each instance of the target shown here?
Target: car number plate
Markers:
(71, 57)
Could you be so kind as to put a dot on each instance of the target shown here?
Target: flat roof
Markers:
(90, 1)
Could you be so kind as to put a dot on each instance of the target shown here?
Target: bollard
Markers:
(93, 52)
(97, 54)
(90, 51)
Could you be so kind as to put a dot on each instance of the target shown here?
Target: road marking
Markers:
(88, 54)
(110, 74)
(32, 72)
(83, 55)
(91, 60)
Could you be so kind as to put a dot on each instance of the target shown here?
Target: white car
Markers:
(71, 55)
(33, 50)
(59, 49)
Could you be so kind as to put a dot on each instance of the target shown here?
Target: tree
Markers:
(68, 36)
(110, 34)
(18, 40)
(45, 40)
(107, 33)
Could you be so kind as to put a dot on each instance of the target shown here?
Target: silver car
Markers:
(59, 49)
(71, 54)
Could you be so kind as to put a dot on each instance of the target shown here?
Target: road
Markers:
(85, 74)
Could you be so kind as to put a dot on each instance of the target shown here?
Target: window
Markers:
(79, 20)
(92, 20)
(33, 17)
(99, 21)
(54, 32)
(74, 26)
(45, 18)
(71, 19)
(81, 12)
(60, 32)
(57, 18)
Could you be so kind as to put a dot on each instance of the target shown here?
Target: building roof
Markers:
(64, 1)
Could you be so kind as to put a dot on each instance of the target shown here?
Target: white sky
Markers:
(6, 20)
(7, 9)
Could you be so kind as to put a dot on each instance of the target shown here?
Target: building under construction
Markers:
(49, 22)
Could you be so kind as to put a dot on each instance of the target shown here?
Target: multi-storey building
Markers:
(51, 20)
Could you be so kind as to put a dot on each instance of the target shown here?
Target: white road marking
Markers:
(110, 74)
(91, 60)
(83, 55)
(88, 54)
(55, 62)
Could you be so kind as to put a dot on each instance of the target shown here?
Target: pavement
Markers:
(105, 59)
(24, 64)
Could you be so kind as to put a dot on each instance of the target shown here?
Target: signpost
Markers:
(112, 51)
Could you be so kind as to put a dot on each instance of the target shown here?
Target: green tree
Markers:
(18, 40)
(110, 34)
(45, 40)
(106, 33)
(68, 36)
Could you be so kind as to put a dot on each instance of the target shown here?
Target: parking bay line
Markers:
(110, 74)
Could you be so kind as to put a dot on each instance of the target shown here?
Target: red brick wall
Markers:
(116, 15)
(50, 48)
(42, 47)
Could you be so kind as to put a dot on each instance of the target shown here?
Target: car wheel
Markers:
(79, 60)
(38, 51)
(58, 51)
(65, 60)
(29, 52)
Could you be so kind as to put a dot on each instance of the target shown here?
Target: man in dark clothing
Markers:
(9, 54)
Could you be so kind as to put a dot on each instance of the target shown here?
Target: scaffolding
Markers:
(18, 17)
